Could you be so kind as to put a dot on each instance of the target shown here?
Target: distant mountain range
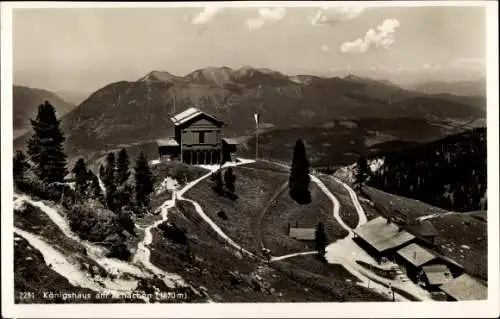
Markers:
(461, 88)
(25, 106)
(134, 112)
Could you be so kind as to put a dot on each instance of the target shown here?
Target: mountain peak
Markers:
(162, 76)
(215, 75)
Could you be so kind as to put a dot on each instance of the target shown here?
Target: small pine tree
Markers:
(109, 171)
(299, 176)
(102, 171)
(143, 181)
(108, 179)
(82, 179)
(362, 171)
(229, 180)
(219, 184)
(20, 166)
(320, 239)
(122, 169)
(95, 188)
(45, 147)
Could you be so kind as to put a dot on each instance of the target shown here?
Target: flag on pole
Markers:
(256, 116)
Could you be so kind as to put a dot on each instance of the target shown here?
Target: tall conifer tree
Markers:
(45, 147)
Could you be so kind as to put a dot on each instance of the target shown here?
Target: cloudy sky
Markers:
(85, 49)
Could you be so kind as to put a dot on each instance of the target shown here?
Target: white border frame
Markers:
(488, 308)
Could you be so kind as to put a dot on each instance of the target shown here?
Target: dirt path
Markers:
(354, 198)
(346, 251)
(143, 254)
(293, 255)
(258, 227)
(199, 209)
(70, 270)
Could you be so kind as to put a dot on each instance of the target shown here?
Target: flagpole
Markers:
(257, 140)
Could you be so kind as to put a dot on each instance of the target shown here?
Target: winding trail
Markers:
(140, 267)
(143, 254)
(67, 268)
(258, 228)
(199, 210)
(293, 255)
(345, 251)
(95, 252)
(355, 200)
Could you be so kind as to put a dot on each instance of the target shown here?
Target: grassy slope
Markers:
(464, 229)
(254, 189)
(285, 210)
(31, 274)
(454, 230)
(390, 202)
(230, 277)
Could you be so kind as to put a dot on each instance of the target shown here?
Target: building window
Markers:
(201, 137)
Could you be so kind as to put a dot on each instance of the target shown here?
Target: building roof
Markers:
(382, 235)
(437, 274)
(169, 141)
(302, 233)
(423, 229)
(465, 287)
(231, 141)
(190, 114)
(416, 255)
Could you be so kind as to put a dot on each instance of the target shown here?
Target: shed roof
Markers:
(231, 141)
(416, 255)
(169, 141)
(190, 114)
(437, 274)
(465, 287)
(302, 233)
(382, 235)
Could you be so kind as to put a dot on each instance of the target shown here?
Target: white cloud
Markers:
(333, 16)
(206, 15)
(382, 38)
(265, 15)
(325, 48)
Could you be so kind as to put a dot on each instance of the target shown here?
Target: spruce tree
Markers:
(95, 188)
(82, 179)
(20, 166)
(109, 180)
(102, 171)
(229, 179)
(143, 181)
(299, 176)
(320, 240)
(362, 171)
(108, 174)
(45, 147)
(122, 173)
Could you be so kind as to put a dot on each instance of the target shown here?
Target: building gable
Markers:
(192, 115)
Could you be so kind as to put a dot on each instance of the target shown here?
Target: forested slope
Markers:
(450, 173)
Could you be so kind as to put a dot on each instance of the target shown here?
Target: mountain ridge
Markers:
(127, 112)
(25, 102)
